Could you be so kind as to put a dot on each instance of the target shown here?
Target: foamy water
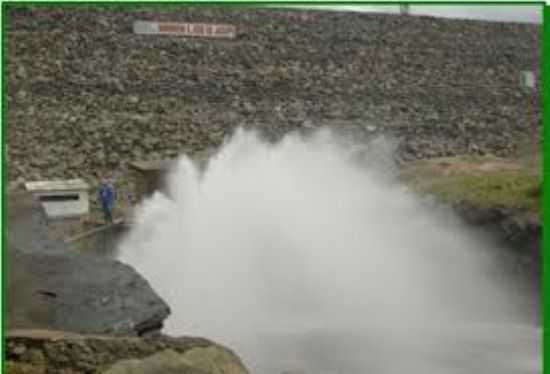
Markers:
(308, 255)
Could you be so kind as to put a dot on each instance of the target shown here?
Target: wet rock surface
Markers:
(85, 94)
(47, 351)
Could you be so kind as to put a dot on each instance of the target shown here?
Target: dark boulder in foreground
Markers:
(77, 293)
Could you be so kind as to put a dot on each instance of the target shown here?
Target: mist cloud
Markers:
(309, 255)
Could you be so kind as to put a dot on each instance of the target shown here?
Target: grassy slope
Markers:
(482, 181)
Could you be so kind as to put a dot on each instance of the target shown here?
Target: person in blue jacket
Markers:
(106, 195)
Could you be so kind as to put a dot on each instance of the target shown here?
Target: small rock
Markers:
(18, 350)
(308, 124)
(103, 22)
(21, 95)
(21, 72)
(34, 357)
(248, 107)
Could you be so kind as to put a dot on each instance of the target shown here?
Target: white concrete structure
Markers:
(62, 198)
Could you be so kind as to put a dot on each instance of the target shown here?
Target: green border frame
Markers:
(270, 3)
(545, 79)
(3, 123)
(545, 158)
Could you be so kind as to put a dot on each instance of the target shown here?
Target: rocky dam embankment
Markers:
(85, 94)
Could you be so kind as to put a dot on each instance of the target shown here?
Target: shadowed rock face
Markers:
(80, 294)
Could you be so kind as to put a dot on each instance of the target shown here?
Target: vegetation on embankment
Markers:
(483, 182)
(509, 190)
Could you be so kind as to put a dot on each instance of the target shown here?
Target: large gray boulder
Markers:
(51, 286)
(78, 293)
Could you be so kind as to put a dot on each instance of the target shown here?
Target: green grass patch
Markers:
(497, 189)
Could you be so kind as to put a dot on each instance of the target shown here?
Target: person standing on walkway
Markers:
(106, 194)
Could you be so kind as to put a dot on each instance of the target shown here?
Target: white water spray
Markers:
(303, 256)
